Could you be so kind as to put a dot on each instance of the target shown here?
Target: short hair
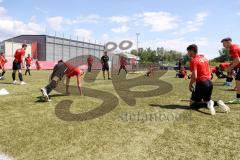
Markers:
(24, 45)
(193, 47)
(105, 52)
(60, 61)
(226, 40)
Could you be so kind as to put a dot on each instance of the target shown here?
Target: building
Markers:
(50, 48)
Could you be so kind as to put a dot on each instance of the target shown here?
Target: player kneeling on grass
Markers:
(18, 64)
(182, 73)
(59, 71)
(2, 63)
(202, 92)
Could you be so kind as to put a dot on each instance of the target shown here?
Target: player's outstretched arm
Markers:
(193, 80)
(67, 85)
(79, 84)
(235, 62)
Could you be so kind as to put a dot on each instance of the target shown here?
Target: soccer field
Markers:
(158, 127)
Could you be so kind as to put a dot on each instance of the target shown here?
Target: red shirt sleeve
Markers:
(235, 51)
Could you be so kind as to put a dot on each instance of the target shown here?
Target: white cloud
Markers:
(238, 13)
(121, 29)
(11, 27)
(1, 1)
(158, 21)
(119, 19)
(55, 22)
(194, 25)
(83, 33)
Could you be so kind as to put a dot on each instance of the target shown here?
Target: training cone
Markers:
(3, 92)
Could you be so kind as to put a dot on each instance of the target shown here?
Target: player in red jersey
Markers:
(3, 60)
(28, 62)
(234, 51)
(71, 72)
(59, 71)
(90, 63)
(181, 73)
(123, 64)
(201, 77)
(18, 64)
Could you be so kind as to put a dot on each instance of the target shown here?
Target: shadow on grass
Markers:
(41, 99)
(175, 106)
(229, 90)
(6, 83)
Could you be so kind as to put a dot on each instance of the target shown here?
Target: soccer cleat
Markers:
(223, 106)
(14, 82)
(22, 83)
(210, 106)
(45, 95)
(235, 101)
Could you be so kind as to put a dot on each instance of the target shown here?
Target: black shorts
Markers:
(105, 67)
(28, 65)
(16, 65)
(123, 67)
(238, 74)
(59, 71)
(203, 91)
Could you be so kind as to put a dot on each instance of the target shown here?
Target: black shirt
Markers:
(105, 59)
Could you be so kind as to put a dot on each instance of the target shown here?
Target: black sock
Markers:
(26, 72)
(238, 95)
(52, 85)
(14, 76)
(0, 74)
(3, 73)
(20, 77)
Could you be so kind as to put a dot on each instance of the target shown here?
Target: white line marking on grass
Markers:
(5, 157)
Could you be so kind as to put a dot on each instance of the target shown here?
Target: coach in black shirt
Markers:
(105, 66)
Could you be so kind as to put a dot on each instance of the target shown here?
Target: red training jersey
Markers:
(213, 70)
(19, 54)
(72, 71)
(183, 72)
(28, 60)
(224, 65)
(123, 62)
(2, 60)
(200, 64)
(90, 60)
(234, 52)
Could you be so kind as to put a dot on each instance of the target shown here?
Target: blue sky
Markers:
(172, 24)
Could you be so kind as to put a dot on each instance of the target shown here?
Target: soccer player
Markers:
(123, 64)
(28, 62)
(74, 71)
(182, 73)
(234, 51)
(105, 66)
(59, 71)
(90, 62)
(150, 70)
(18, 64)
(201, 76)
(3, 60)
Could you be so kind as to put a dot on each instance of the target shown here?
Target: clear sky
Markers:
(172, 24)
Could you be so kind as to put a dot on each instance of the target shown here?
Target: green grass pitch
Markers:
(30, 130)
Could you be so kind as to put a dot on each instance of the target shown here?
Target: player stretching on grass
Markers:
(123, 64)
(74, 71)
(105, 66)
(234, 51)
(59, 71)
(18, 64)
(28, 62)
(2, 63)
(202, 92)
